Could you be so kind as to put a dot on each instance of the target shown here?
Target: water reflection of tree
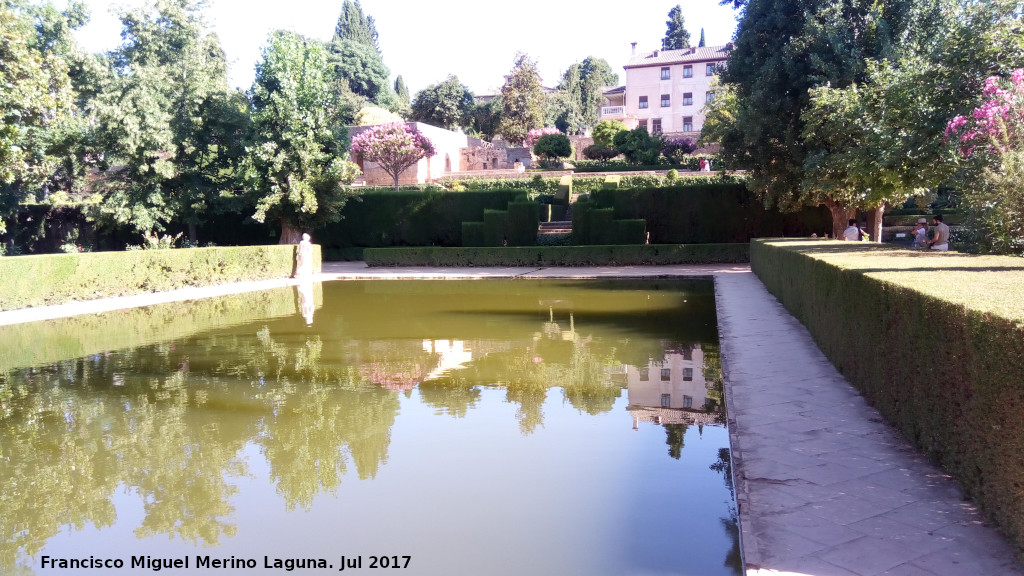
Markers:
(453, 395)
(733, 559)
(305, 440)
(675, 435)
(74, 431)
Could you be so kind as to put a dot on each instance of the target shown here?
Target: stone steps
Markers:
(558, 227)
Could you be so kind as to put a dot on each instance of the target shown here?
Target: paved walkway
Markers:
(824, 488)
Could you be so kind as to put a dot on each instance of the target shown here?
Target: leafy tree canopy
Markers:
(448, 104)
(574, 108)
(605, 131)
(295, 166)
(522, 100)
(155, 117)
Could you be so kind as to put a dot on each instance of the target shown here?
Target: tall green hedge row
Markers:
(598, 226)
(410, 218)
(57, 278)
(560, 255)
(935, 341)
(710, 212)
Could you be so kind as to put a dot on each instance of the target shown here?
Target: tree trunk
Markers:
(396, 181)
(841, 216)
(875, 223)
(289, 233)
(192, 232)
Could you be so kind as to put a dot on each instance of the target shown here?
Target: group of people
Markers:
(938, 241)
(940, 235)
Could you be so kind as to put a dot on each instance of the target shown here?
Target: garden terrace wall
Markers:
(643, 254)
(935, 341)
(57, 278)
(709, 212)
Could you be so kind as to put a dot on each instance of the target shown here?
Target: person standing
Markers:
(940, 236)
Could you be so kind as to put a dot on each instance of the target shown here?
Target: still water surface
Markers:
(484, 427)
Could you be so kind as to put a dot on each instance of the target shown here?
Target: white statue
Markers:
(304, 258)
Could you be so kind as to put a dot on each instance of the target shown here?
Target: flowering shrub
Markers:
(677, 148)
(394, 147)
(536, 133)
(997, 123)
(994, 134)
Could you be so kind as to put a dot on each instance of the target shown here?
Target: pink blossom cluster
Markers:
(536, 133)
(998, 123)
(392, 140)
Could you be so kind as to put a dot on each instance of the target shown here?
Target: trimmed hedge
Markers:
(935, 341)
(598, 226)
(58, 278)
(410, 218)
(642, 254)
(708, 212)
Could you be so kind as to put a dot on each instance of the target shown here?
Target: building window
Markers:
(710, 69)
(688, 374)
(666, 374)
(666, 100)
(687, 401)
(687, 123)
(665, 74)
(666, 400)
(643, 101)
(656, 126)
(644, 374)
(687, 98)
(643, 124)
(709, 97)
(687, 71)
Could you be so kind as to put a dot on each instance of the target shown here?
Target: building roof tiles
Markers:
(684, 56)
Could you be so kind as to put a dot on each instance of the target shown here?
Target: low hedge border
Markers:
(935, 341)
(643, 254)
(58, 278)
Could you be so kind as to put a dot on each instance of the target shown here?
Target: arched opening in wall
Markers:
(447, 163)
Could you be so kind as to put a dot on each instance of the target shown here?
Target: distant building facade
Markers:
(666, 90)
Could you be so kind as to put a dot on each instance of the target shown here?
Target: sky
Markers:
(424, 42)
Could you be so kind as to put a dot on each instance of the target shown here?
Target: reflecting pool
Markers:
(481, 427)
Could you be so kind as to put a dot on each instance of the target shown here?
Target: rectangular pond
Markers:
(449, 427)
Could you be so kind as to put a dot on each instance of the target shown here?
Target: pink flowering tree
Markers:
(394, 147)
(993, 136)
(997, 125)
(533, 135)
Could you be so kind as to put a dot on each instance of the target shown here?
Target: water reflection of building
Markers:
(672, 390)
(454, 354)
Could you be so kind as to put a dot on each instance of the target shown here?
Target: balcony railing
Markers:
(613, 111)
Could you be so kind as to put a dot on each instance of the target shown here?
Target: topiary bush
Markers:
(553, 146)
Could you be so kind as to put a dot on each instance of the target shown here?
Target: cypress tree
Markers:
(676, 37)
